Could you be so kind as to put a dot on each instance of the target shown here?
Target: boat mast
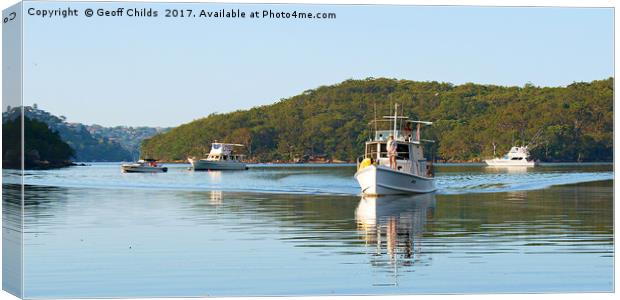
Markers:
(395, 118)
(375, 103)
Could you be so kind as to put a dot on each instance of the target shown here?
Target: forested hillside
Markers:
(86, 146)
(573, 123)
(43, 148)
(91, 142)
(127, 137)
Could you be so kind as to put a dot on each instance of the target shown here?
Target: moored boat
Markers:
(410, 175)
(221, 157)
(144, 166)
(516, 157)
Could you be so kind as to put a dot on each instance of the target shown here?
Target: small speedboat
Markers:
(144, 166)
(221, 157)
(516, 157)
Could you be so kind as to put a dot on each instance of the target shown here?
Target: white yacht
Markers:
(144, 166)
(516, 157)
(411, 175)
(221, 157)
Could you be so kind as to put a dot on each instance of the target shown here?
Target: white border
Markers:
(506, 3)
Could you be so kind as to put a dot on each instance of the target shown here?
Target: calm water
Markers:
(304, 230)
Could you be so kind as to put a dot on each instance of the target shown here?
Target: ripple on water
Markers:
(309, 179)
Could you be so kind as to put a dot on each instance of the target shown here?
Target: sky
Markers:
(169, 71)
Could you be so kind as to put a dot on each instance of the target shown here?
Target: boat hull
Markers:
(509, 163)
(380, 180)
(204, 165)
(143, 169)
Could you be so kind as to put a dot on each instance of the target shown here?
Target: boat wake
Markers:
(311, 181)
(496, 183)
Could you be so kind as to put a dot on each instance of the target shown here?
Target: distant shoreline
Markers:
(39, 165)
(339, 162)
(179, 162)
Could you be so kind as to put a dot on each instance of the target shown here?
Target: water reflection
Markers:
(215, 176)
(12, 238)
(212, 242)
(394, 225)
(215, 198)
(508, 169)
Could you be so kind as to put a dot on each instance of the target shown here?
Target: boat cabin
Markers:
(517, 153)
(223, 152)
(409, 156)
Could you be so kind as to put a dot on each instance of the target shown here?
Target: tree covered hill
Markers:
(91, 142)
(572, 123)
(43, 148)
(86, 146)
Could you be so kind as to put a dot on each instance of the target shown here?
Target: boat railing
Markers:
(373, 157)
(403, 138)
(401, 135)
(403, 155)
(414, 166)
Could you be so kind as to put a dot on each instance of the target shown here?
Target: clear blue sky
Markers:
(165, 72)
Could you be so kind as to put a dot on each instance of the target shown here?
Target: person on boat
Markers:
(408, 130)
(391, 148)
(429, 171)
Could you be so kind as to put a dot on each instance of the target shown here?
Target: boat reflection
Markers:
(394, 226)
(215, 176)
(507, 169)
(215, 198)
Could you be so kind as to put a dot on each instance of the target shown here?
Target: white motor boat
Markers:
(516, 157)
(221, 157)
(411, 175)
(144, 166)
